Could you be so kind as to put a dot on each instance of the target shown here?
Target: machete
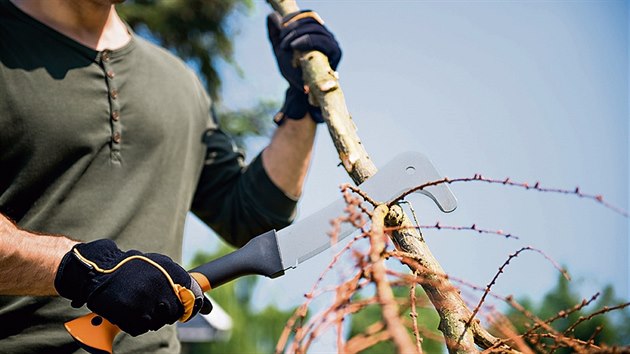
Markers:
(274, 252)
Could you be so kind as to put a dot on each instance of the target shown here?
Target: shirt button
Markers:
(113, 94)
(110, 74)
(115, 116)
(116, 138)
(105, 55)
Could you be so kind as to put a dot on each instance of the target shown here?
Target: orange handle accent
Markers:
(94, 333)
(203, 281)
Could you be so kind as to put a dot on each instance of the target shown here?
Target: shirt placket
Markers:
(114, 105)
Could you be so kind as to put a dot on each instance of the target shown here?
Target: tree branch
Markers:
(385, 295)
(326, 92)
(448, 303)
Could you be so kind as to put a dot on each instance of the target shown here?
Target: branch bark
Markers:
(326, 92)
(453, 312)
(384, 293)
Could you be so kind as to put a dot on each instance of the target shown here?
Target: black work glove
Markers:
(136, 291)
(300, 31)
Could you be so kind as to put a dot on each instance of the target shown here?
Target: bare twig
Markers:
(414, 316)
(373, 335)
(602, 311)
(550, 330)
(536, 186)
(473, 227)
(501, 270)
(361, 193)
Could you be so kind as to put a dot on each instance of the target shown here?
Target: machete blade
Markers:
(310, 236)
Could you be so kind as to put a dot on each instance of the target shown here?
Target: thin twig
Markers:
(439, 226)
(603, 310)
(361, 193)
(414, 315)
(479, 178)
(501, 270)
(373, 335)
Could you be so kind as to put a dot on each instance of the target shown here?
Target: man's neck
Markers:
(91, 23)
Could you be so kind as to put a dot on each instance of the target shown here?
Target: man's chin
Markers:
(109, 2)
(105, 2)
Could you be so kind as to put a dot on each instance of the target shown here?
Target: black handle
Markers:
(259, 256)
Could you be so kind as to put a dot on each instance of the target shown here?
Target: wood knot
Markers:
(395, 216)
(327, 86)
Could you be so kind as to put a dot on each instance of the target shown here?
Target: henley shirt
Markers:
(116, 144)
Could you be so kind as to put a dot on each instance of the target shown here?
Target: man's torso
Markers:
(93, 145)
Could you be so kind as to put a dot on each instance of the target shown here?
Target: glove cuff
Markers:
(71, 277)
(296, 106)
(75, 277)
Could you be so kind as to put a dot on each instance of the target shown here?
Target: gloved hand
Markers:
(137, 292)
(300, 31)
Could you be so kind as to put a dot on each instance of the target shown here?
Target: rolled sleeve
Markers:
(238, 201)
(270, 198)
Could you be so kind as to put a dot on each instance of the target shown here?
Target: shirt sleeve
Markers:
(238, 201)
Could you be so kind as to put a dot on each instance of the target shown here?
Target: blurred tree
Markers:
(254, 331)
(198, 31)
(615, 326)
(248, 122)
(428, 321)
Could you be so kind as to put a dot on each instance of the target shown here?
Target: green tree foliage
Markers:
(428, 320)
(248, 122)
(196, 30)
(253, 331)
(199, 32)
(615, 325)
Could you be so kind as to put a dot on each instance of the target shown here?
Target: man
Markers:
(106, 141)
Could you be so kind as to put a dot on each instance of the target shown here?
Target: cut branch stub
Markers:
(284, 7)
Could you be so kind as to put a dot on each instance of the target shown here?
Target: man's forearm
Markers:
(287, 157)
(29, 262)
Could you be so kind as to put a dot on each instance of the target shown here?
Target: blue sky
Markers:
(537, 91)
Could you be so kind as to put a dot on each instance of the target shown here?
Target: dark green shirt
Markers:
(113, 144)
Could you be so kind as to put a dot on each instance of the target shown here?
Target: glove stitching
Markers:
(312, 14)
(176, 287)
